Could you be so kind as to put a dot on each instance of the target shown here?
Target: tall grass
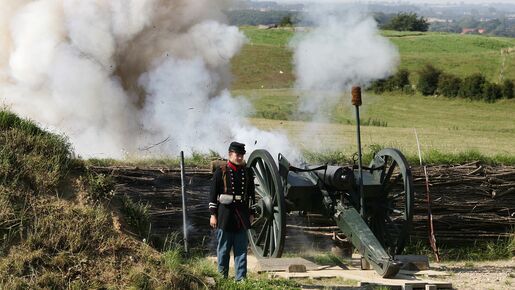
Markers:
(431, 157)
(51, 242)
(196, 159)
(335, 157)
(504, 248)
(257, 283)
(40, 159)
(32, 162)
(137, 216)
(98, 187)
(435, 157)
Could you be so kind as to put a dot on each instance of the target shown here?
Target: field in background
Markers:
(267, 54)
(263, 74)
(450, 126)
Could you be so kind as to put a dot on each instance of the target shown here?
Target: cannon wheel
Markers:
(267, 233)
(391, 220)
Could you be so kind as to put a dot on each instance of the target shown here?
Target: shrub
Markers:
(472, 87)
(449, 85)
(286, 21)
(137, 216)
(507, 89)
(399, 81)
(491, 92)
(374, 123)
(378, 86)
(99, 186)
(407, 22)
(428, 80)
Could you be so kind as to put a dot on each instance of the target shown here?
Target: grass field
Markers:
(263, 74)
(262, 60)
(446, 125)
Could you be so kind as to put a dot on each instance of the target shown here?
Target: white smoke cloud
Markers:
(117, 76)
(344, 49)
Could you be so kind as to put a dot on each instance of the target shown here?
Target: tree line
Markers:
(256, 17)
(501, 26)
(403, 21)
(434, 81)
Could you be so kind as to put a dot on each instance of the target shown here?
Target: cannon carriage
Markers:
(372, 205)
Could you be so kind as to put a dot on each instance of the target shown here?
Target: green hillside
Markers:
(263, 73)
(267, 54)
(445, 125)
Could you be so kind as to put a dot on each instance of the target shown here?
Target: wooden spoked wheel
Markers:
(267, 233)
(391, 218)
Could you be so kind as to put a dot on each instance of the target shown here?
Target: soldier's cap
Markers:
(237, 147)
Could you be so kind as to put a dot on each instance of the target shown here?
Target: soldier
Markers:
(231, 191)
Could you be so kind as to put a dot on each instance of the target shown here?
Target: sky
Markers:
(397, 1)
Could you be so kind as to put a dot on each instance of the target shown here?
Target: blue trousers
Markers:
(238, 242)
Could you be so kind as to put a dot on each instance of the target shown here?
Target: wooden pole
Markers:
(184, 209)
(432, 238)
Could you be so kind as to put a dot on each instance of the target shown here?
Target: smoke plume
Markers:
(127, 77)
(344, 49)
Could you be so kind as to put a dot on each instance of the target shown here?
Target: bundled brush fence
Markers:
(469, 203)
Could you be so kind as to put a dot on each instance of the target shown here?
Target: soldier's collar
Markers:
(234, 166)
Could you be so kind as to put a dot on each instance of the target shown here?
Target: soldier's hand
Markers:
(213, 221)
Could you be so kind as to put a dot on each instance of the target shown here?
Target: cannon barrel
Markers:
(336, 177)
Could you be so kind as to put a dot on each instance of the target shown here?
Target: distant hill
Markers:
(265, 62)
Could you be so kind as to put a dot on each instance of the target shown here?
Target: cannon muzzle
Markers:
(337, 177)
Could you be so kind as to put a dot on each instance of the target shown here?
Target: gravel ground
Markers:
(479, 275)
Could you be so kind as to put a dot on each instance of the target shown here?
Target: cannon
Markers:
(371, 205)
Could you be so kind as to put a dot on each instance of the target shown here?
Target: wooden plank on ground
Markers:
(282, 264)
(368, 277)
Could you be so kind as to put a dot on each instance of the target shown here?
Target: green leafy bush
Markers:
(507, 89)
(401, 79)
(137, 216)
(428, 80)
(472, 87)
(99, 186)
(491, 92)
(449, 85)
(397, 82)
(407, 22)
